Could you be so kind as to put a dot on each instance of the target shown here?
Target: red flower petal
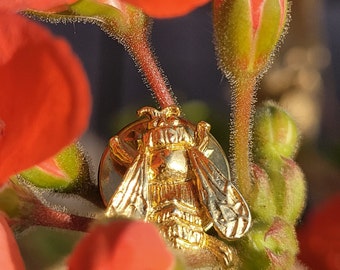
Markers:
(128, 245)
(167, 8)
(10, 258)
(319, 237)
(45, 100)
(17, 5)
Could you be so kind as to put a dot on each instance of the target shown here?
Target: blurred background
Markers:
(304, 79)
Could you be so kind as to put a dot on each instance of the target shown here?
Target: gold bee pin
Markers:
(176, 175)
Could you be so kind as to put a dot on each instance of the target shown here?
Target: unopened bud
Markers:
(247, 33)
(261, 200)
(61, 171)
(281, 245)
(294, 191)
(269, 246)
(275, 134)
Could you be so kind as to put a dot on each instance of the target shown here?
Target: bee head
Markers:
(167, 117)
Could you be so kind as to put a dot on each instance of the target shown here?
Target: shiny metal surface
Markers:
(165, 170)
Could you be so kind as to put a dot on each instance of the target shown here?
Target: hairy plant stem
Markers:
(243, 96)
(33, 212)
(40, 215)
(44, 216)
(139, 48)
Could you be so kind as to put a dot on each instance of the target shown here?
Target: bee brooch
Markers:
(175, 175)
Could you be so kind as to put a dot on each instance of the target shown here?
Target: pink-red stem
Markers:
(44, 216)
(139, 47)
(243, 99)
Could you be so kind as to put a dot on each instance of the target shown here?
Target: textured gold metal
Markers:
(175, 175)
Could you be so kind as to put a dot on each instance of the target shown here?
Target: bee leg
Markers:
(223, 253)
(202, 135)
(118, 153)
(148, 112)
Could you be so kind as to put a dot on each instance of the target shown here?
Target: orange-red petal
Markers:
(17, 5)
(10, 258)
(167, 8)
(129, 245)
(255, 7)
(45, 100)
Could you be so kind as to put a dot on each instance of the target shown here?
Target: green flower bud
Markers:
(121, 20)
(275, 135)
(262, 202)
(253, 255)
(271, 246)
(59, 172)
(68, 173)
(288, 186)
(281, 245)
(294, 191)
(247, 33)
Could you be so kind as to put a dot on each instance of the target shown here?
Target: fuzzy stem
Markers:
(242, 113)
(34, 213)
(43, 216)
(139, 48)
(37, 214)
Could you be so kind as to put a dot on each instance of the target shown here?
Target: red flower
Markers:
(163, 8)
(129, 245)
(16, 5)
(45, 100)
(10, 258)
(319, 237)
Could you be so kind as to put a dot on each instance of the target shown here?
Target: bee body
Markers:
(170, 179)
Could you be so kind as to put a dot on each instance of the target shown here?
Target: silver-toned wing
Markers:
(226, 206)
(130, 199)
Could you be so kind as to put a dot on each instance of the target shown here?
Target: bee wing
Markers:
(130, 199)
(226, 206)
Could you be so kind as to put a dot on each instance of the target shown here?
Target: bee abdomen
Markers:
(171, 192)
(179, 224)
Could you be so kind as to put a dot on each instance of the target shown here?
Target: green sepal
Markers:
(268, 246)
(252, 253)
(262, 201)
(281, 244)
(294, 190)
(270, 31)
(93, 9)
(59, 172)
(232, 35)
(121, 21)
(275, 135)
